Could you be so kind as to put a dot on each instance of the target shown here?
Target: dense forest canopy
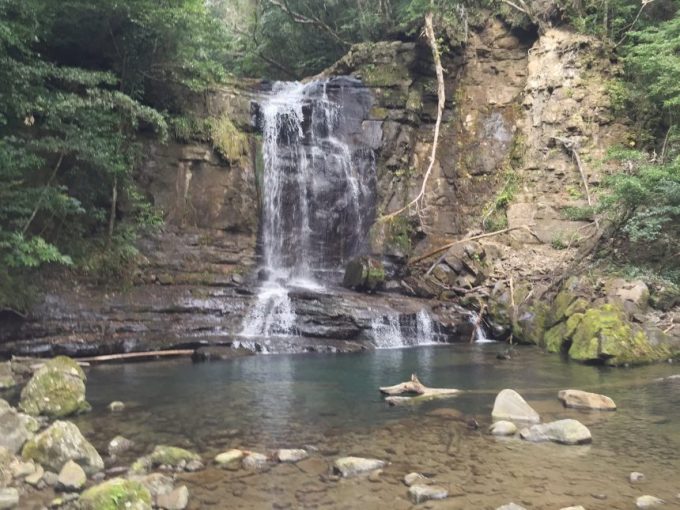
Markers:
(84, 82)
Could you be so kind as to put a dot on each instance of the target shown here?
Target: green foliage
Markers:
(644, 202)
(81, 81)
(578, 213)
(495, 217)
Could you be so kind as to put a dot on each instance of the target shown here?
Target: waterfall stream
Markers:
(318, 193)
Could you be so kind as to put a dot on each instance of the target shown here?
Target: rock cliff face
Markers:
(527, 123)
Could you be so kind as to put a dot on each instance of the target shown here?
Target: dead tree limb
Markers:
(418, 392)
(465, 240)
(441, 99)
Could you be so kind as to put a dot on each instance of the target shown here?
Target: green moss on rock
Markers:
(173, 456)
(385, 75)
(60, 442)
(116, 494)
(54, 392)
(530, 327)
(605, 335)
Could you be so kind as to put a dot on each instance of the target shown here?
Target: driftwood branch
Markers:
(416, 391)
(441, 99)
(465, 240)
(138, 355)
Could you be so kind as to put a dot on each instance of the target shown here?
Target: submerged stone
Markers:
(648, 502)
(291, 455)
(503, 428)
(578, 399)
(225, 458)
(412, 478)
(421, 493)
(255, 462)
(509, 405)
(350, 466)
(119, 445)
(568, 431)
(173, 457)
(116, 494)
(59, 443)
(177, 499)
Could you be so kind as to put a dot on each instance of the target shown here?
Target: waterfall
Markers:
(393, 330)
(480, 334)
(318, 192)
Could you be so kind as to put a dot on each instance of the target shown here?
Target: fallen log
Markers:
(138, 356)
(416, 388)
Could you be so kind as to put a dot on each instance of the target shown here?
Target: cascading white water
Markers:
(318, 192)
(480, 334)
(392, 331)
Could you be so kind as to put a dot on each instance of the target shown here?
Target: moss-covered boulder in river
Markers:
(116, 494)
(59, 443)
(56, 390)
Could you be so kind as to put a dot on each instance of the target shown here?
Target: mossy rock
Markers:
(605, 335)
(364, 274)
(385, 75)
(66, 365)
(556, 337)
(60, 442)
(172, 456)
(562, 302)
(530, 327)
(55, 391)
(116, 494)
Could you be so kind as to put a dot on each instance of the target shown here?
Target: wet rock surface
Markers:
(584, 400)
(510, 406)
(561, 431)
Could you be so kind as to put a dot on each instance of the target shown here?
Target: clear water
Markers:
(331, 402)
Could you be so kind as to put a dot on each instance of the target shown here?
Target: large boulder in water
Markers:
(560, 431)
(55, 390)
(578, 399)
(509, 405)
(364, 274)
(59, 443)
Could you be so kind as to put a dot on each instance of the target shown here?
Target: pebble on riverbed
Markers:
(420, 493)
(350, 466)
(412, 478)
(636, 477)
(291, 455)
(72, 478)
(503, 428)
(177, 499)
(116, 406)
(255, 462)
(228, 457)
(648, 502)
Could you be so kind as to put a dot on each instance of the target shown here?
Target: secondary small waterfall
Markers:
(318, 192)
(480, 333)
(392, 330)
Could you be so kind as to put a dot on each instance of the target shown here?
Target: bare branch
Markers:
(307, 20)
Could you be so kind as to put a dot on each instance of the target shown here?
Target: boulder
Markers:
(350, 466)
(632, 296)
(364, 274)
(605, 335)
(15, 428)
(503, 428)
(116, 494)
(9, 498)
(7, 379)
(71, 477)
(177, 499)
(36, 477)
(56, 390)
(578, 399)
(420, 493)
(291, 455)
(561, 431)
(59, 443)
(648, 502)
(226, 458)
(6, 458)
(509, 405)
